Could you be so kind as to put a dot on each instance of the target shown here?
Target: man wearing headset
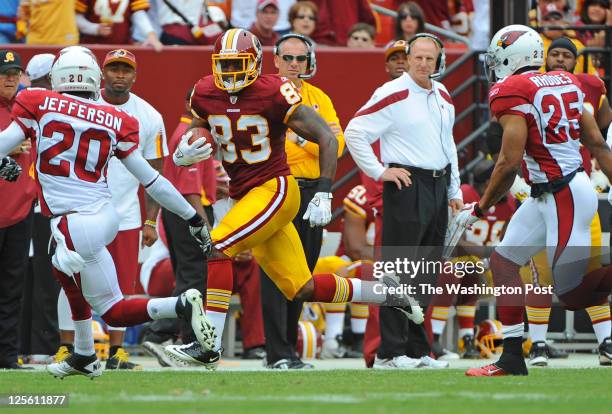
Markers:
(413, 117)
(295, 59)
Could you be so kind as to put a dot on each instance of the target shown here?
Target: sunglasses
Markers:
(363, 39)
(305, 16)
(403, 16)
(299, 58)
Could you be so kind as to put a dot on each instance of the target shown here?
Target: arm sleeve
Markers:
(157, 186)
(142, 23)
(10, 138)
(366, 127)
(85, 26)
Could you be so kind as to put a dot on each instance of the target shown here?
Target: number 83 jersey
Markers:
(551, 104)
(249, 128)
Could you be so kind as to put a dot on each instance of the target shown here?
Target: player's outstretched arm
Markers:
(514, 139)
(308, 124)
(305, 122)
(160, 189)
(10, 138)
(592, 139)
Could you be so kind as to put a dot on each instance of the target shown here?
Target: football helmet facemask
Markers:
(236, 60)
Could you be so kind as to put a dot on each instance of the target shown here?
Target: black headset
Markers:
(440, 62)
(311, 63)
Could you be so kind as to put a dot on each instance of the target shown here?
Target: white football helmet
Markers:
(512, 48)
(76, 70)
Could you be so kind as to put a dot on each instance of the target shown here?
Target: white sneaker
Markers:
(428, 362)
(448, 355)
(332, 349)
(398, 362)
(76, 364)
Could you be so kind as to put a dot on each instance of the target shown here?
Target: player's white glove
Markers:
(199, 230)
(188, 154)
(319, 212)
(9, 169)
(467, 216)
(599, 181)
(520, 189)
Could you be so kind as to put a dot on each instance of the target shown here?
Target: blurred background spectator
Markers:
(8, 21)
(361, 36)
(436, 12)
(410, 21)
(461, 12)
(283, 26)
(266, 16)
(336, 17)
(51, 22)
(594, 12)
(111, 22)
(303, 17)
(481, 25)
(186, 22)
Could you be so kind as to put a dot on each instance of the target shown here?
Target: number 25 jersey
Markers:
(551, 104)
(74, 140)
(249, 128)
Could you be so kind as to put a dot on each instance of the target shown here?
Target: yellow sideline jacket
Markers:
(304, 160)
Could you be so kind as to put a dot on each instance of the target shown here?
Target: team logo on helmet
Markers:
(509, 38)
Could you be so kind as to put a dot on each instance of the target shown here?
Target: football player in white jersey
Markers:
(74, 139)
(119, 74)
(543, 123)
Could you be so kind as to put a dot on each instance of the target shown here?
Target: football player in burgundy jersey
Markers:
(248, 115)
(542, 119)
(74, 139)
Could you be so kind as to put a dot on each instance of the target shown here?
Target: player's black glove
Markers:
(9, 169)
(199, 229)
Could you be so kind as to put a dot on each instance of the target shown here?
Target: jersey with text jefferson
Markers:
(74, 140)
(249, 128)
(551, 104)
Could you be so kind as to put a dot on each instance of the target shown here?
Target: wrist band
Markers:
(325, 185)
(151, 223)
(478, 211)
(196, 221)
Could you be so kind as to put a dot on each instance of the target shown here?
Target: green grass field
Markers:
(342, 391)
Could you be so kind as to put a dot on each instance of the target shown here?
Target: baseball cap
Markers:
(9, 60)
(262, 4)
(564, 43)
(40, 65)
(120, 55)
(394, 46)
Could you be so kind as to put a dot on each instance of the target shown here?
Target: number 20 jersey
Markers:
(74, 139)
(249, 128)
(551, 103)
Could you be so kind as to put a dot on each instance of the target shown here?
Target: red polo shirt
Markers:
(16, 197)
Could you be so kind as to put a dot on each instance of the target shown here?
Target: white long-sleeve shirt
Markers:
(415, 128)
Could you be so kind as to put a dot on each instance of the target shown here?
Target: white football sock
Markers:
(83, 337)
(162, 308)
(602, 330)
(537, 332)
(218, 321)
(333, 324)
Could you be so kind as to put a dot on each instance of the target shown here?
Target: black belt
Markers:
(555, 186)
(424, 172)
(307, 182)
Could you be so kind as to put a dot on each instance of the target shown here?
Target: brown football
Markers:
(202, 132)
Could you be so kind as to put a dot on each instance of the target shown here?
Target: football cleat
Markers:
(194, 354)
(76, 364)
(189, 307)
(157, 350)
(443, 354)
(398, 362)
(469, 349)
(605, 352)
(333, 348)
(508, 364)
(402, 302)
(62, 353)
(121, 361)
(491, 370)
(538, 357)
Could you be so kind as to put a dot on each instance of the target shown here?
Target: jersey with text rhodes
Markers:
(74, 139)
(250, 128)
(551, 104)
(488, 230)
